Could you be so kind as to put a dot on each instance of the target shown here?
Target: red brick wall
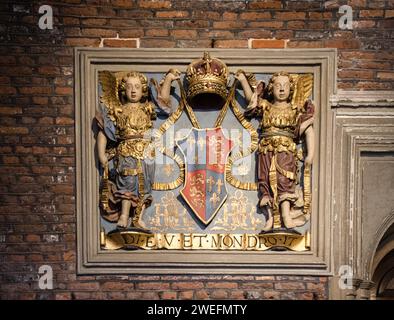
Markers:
(37, 153)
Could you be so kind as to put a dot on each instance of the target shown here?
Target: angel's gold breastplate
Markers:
(278, 126)
(132, 121)
(279, 118)
(132, 124)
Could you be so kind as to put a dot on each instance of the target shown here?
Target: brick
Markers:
(83, 42)
(305, 44)
(155, 43)
(4, 80)
(367, 64)
(49, 70)
(267, 43)
(256, 285)
(172, 14)
(14, 130)
(331, 4)
(64, 90)
(289, 286)
(265, 5)
(255, 16)
(186, 295)
(386, 24)
(319, 287)
(193, 43)
(358, 55)
(120, 43)
(184, 34)
(363, 24)
(216, 34)
(96, 32)
(33, 238)
(81, 296)
(219, 294)
(320, 15)
(71, 21)
(10, 160)
(27, 296)
(294, 15)
(357, 3)
(202, 294)
(305, 296)
(80, 11)
(155, 4)
(134, 295)
(203, 14)
(266, 24)
(370, 13)
(342, 43)
(88, 21)
(222, 285)
(16, 258)
(228, 24)
(237, 295)
(126, 23)
(123, 3)
(113, 285)
(150, 295)
(355, 74)
(296, 24)
(156, 33)
(153, 286)
(230, 16)
(168, 295)
(187, 285)
(385, 75)
(231, 43)
(10, 110)
(7, 90)
(25, 60)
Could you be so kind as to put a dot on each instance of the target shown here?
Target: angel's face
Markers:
(281, 88)
(133, 89)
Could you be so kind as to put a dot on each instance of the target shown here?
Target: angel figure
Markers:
(124, 147)
(286, 118)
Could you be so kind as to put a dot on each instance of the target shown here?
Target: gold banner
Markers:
(197, 241)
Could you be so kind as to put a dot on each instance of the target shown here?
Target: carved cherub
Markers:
(124, 139)
(286, 116)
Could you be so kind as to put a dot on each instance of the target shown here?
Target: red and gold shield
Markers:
(205, 152)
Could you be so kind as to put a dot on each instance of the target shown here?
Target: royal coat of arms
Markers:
(205, 151)
(205, 195)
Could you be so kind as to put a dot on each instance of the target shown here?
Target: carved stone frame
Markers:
(93, 260)
(359, 133)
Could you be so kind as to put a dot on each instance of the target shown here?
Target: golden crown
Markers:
(207, 75)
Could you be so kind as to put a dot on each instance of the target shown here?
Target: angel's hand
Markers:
(173, 74)
(240, 75)
(308, 160)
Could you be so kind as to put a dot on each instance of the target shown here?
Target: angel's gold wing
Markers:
(302, 89)
(110, 97)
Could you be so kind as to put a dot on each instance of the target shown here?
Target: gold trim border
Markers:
(207, 241)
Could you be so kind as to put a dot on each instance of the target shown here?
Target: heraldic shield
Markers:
(205, 152)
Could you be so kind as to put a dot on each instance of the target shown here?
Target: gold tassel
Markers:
(274, 187)
(141, 189)
(307, 188)
(104, 196)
